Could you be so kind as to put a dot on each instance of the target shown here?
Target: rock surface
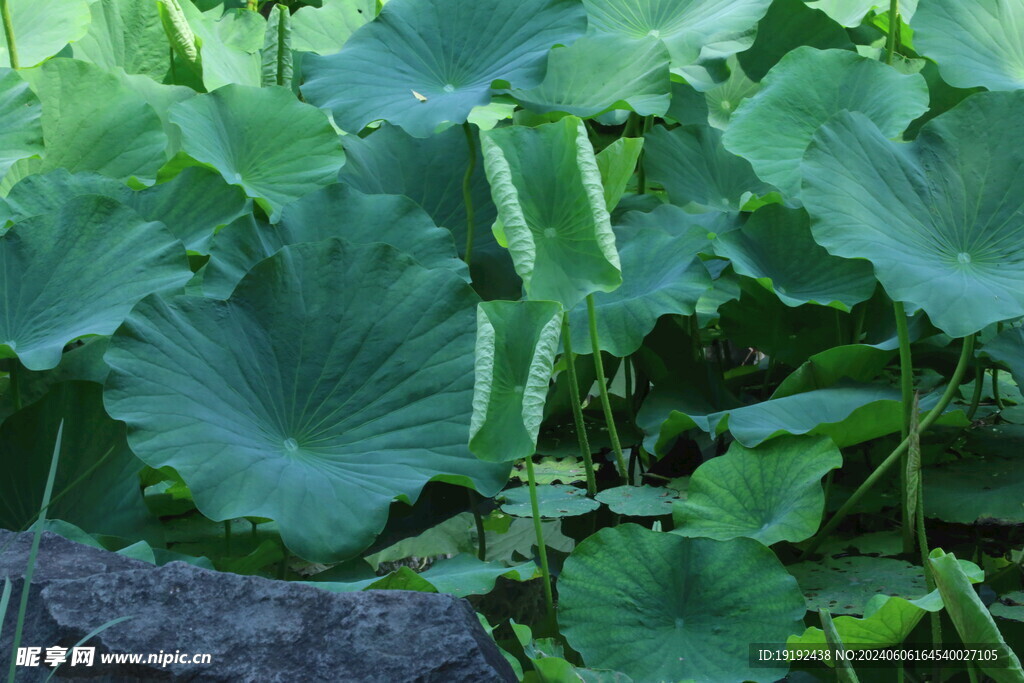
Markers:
(254, 629)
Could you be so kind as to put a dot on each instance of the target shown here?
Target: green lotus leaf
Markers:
(686, 27)
(661, 607)
(97, 481)
(275, 148)
(887, 621)
(334, 211)
(772, 493)
(639, 501)
(336, 376)
(617, 162)
(276, 58)
(845, 585)
(228, 44)
(787, 25)
(93, 122)
(82, 362)
(126, 34)
(857, 362)
(694, 168)
(192, 204)
(516, 345)
(936, 217)
(430, 171)
(970, 617)
(1009, 606)
(590, 77)
(974, 42)
(989, 488)
(79, 271)
(325, 29)
(461, 576)
(1008, 348)
(772, 129)
(553, 500)
(402, 67)
(775, 247)
(662, 274)
(42, 28)
(850, 13)
(22, 133)
(547, 187)
(722, 100)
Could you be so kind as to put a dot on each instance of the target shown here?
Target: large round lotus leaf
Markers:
(590, 76)
(772, 129)
(850, 13)
(229, 44)
(939, 217)
(858, 362)
(775, 246)
(770, 493)
(639, 501)
(990, 488)
(974, 42)
(97, 483)
(325, 29)
(126, 34)
(662, 274)
(336, 378)
(334, 211)
(1008, 348)
(261, 139)
(553, 500)
(547, 186)
(685, 26)
(42, 28)
(22, 132)
(192, 204)
(79, 271)
(887, 622)
(516, 345)
(659, 607)
(422, 63)
(92, 121)
(844, 585)
(693, 167)
(787, 25)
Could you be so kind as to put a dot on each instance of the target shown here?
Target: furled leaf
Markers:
(336, 376)
(97, 484)
(325, 29)
(660, 607)
(333, 211)
(126, 34)
(42, 28)
(276, 148)
(553, 500)
(694, 168)
(276, 55)
(845, 585)
(938, 217)
(662, 274)
(22, 132)
(771, 493)
(974, 42)
(639, 501)
(516, 345)
(772, 129)
(775, 247)
(547, 187)
(93, 122)
(686, 27)
(409, 50)
(590, 76)
(78, 271)
(972, 621)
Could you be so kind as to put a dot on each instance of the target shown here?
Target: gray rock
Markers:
(254, 629)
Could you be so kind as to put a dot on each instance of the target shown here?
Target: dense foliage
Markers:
(658, 328)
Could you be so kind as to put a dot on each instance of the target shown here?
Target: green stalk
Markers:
(14, 377)
(995, 389)
(467, 195)
(894, 27)
(12, 48)
(549, 599)
(907, 399)
(895, 456)
(979, 384)
(481, 536)
(606, 403)
(282, 43)
(577, 408)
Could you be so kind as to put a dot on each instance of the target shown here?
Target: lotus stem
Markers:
(467, 195)
(907, 400)
(549, 599)
(606, 404)
(481, 535)
(995, 389)
(14, 377)
(895, 456)
(894, 28)
(979, 384)
(577, 408)
(12, 48)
